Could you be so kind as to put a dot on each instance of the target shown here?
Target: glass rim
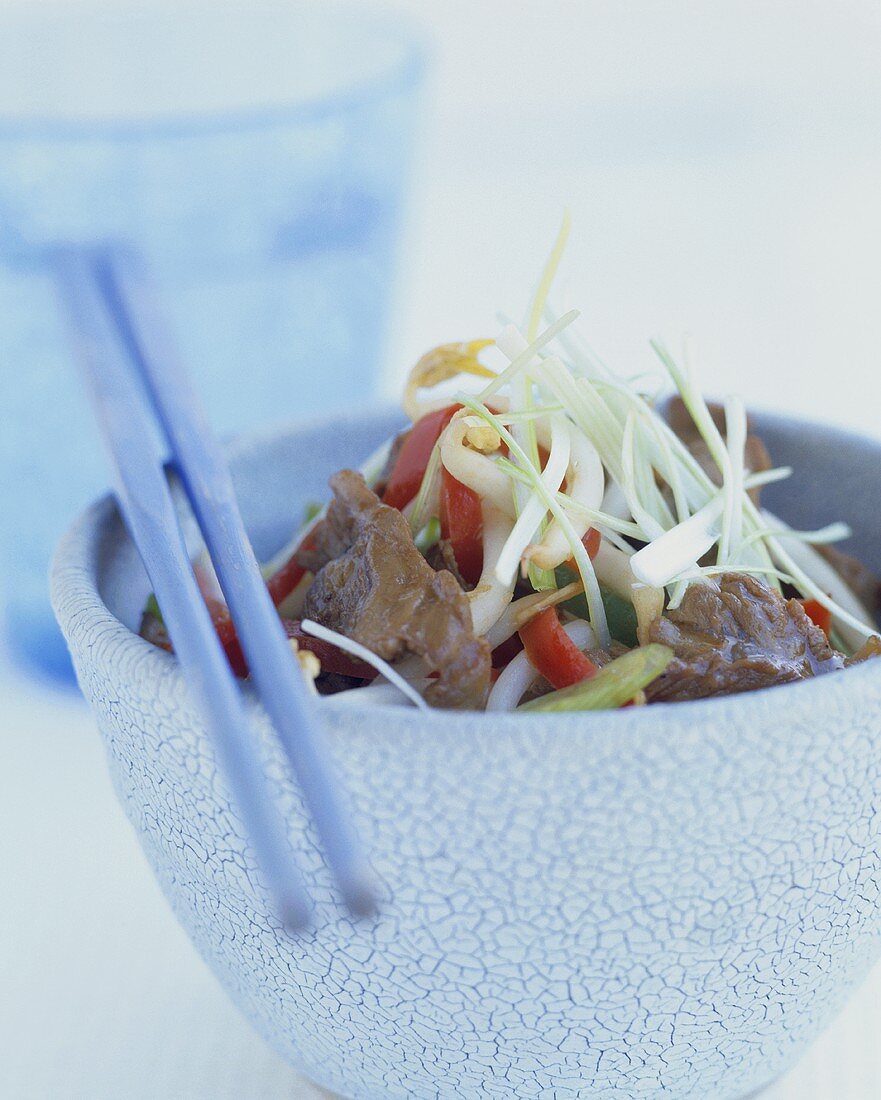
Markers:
(406, 71)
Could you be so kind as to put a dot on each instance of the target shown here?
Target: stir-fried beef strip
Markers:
(737, 635)
(756, 456)
(331, 683)
(603, 657)
(374, 586)
(441, 556)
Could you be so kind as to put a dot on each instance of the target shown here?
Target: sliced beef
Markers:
(323, 546)
(868, 650)
(737, 635)
(858, 578)
(441, 556)
(603, 657)
(334, 661)
(331, 683)
(374, 586)
(756, 457)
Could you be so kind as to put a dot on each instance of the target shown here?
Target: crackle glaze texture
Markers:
(668, 902)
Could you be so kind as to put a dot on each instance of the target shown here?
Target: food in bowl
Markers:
(560, 539)
(646, 902)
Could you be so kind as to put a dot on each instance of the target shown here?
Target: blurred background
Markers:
(325, 193)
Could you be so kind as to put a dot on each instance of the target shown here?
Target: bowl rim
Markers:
(75, 588)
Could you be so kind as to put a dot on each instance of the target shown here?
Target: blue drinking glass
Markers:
(256, 153)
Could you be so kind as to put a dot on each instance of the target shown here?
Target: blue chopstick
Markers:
(149, 513)
(199, 462)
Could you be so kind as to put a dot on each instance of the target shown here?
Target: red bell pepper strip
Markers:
(461, 517)
(283, 582)
(818, 614)
(552, 652)
(461, 521)
(409, 468)
(591, 543)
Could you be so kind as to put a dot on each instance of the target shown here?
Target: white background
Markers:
(722, 163)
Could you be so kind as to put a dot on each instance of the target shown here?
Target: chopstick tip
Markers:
(295, 916)
(360, 899)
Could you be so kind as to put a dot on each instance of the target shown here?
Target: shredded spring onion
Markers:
(525, 357)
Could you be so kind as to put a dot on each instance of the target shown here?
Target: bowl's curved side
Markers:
(669, 902)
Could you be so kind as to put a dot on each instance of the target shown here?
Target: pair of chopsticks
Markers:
(131, 369)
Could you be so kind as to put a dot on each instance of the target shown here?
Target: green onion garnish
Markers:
(612, 687)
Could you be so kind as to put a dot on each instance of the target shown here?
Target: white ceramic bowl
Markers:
(669, 901)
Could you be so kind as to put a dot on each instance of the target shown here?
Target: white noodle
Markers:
(649, 606)
(585, 486)
(477, 471)
(490, 598)
(582, 560)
